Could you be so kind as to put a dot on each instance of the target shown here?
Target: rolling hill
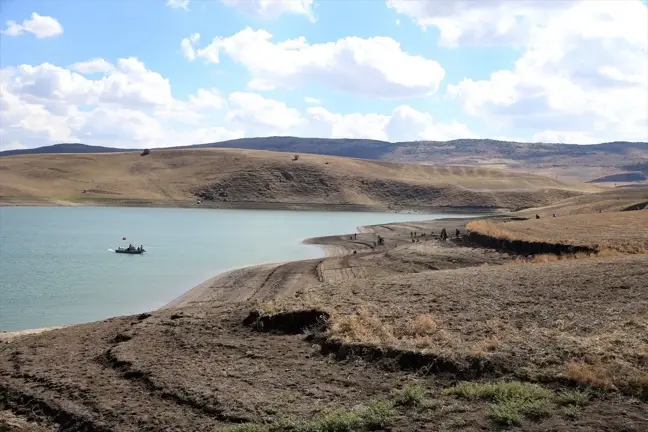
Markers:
(566, 161)
(262, 179)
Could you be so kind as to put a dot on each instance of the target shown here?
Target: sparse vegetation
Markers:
(411, 395)
(374, 415)
(513, 401)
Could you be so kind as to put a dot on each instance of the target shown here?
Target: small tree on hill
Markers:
(145, 152)
(296, 157)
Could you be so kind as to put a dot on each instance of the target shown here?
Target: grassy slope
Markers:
(609, 200)
(252, 176)
(621, 231)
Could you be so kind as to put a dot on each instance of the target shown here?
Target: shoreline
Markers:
(328, 244)
(281, 206)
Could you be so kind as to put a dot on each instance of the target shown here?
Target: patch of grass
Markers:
(412, 395)
(513, 411)
(573, 398)
(500, 390)
(514, 401)
(247, 427)
(571, 411)
(376, 414)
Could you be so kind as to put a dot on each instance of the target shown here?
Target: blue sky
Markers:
(469, 102)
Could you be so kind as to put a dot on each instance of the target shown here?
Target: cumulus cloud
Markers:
(582, 76)
(129, 106)
(187, 46)
(272, 9)
(40, 26)
(484, 22)
(375, 66)
(96, 65)
(260, 116)
(178, 4)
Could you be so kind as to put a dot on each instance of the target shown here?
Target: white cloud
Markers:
(260, 116)
(582, 76)
(178, 4)
(312, 101)
(187, 46)
(40, 26)
(367, 66)
(483, 22)
(272, 9)
(96, 65)
(130, 106)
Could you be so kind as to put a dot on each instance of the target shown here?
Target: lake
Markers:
(57, 264)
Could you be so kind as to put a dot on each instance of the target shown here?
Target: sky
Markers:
(158, 73)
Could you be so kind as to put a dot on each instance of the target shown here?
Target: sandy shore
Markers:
(10, 336)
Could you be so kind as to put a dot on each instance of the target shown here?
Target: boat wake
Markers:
(111, 250)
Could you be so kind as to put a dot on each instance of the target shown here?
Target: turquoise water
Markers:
(57, 266)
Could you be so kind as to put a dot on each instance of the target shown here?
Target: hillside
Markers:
(247, 178)
(614, 200)
(567, 161)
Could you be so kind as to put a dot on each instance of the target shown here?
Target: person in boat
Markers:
(130, 247)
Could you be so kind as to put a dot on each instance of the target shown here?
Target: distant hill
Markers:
(568, 161)
(621, 178)
(261, 179)
(65, 148)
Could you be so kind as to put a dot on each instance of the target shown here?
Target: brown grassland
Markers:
(416, 334)
(255, 178)
(619, 231)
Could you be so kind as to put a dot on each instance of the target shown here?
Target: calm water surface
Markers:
(57, 264)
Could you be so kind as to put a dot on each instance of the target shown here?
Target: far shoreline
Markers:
(245, 205)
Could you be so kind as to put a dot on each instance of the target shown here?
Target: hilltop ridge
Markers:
(568, 161)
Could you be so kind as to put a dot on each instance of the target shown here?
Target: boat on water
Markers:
(132, 250)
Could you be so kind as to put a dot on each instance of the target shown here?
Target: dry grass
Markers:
(230, 176)
(420, 332)
(607, 201)
(533, 320)
(607, 374)
(609, 233)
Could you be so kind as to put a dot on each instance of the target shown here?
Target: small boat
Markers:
(130, 250)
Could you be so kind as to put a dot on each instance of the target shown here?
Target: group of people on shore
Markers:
(443, 235)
